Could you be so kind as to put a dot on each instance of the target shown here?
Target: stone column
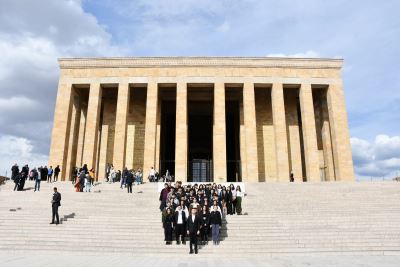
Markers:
(120, 126)
(309, 133)
(73, 137)
(249, 112)
(340, 133)
(326, 141)
(181, 139)
(219, 134)
(92, 126)
(150, 129)
(279, 121)
(81, 135)
(61, 128)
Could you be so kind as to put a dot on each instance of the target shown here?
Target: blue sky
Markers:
(365, 33)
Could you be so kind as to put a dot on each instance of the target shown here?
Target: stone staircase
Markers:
(280, 219)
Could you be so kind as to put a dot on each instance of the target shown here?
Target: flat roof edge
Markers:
(147, 62)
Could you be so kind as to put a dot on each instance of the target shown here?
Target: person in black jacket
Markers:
(193, 226)
(205, 222)
(17, 181)
(14, 171)
(55, 203)
(215, 223)
(56, 173)
(128, 180)
(168, 224)
(180, 224)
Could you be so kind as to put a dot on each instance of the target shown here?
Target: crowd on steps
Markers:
(196, 211)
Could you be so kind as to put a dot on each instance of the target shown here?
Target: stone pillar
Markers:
(81, 136)
(73, 138)
(309, 133)
(61, 128)
(279, 121)
(243, 150)
(340, 133)
(150, 129)
(249, 112)
(92, 126)
(120, 126)
(327, 142)
(219, 134)
(181, 139)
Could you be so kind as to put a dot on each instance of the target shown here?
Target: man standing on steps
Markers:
(55, 203)
(193, 229)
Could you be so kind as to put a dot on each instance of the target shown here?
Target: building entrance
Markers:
(200, 154)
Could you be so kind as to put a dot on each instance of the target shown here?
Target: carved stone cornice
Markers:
(168, 62)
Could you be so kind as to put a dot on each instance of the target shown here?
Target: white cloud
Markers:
(224, 27)
(18, 150)
(31, 40)
(378, 159)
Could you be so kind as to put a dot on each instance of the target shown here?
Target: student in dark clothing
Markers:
(129, 180)
(215, 223)
(193, 226)
(56, 173)
(168, 224)
(205, 223)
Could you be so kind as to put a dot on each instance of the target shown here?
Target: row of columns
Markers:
(337, 114)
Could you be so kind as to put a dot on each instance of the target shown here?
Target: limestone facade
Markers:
(268, 117)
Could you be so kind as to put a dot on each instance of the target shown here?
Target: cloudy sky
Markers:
(34, 33)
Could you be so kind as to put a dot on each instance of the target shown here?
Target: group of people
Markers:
(83, 179)
(35, 174)
(196, 211)
(154, 176)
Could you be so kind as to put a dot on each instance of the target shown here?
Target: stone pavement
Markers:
(30, 260)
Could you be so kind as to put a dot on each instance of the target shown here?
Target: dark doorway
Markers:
(167, 137)
(200, 122)
(232, 118)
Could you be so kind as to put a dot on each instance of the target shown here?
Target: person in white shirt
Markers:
(152, 174)
(180, 224)
(239, 196)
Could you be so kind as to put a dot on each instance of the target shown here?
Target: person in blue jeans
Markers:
(37, 179)
(123, 177)
(215, 223)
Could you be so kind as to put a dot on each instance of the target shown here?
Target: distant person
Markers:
(180, 224)
(163, 196)
(205, 222)
(291, 177)
(17, 181)
(36, 178)
(239, 197)
(215, 223)
(82, 180)
(168, 224)
(49, 174)
(14, 171)
(152, 175)
(56, 173)
(55, 203)
(123, 178)
(43, 173)
(129, 180)
(193, 229)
